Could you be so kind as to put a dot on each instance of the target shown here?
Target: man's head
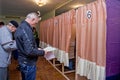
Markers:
(2, 24)
(33, 18)
(12, 25)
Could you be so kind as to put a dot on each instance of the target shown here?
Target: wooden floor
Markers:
(45, 71)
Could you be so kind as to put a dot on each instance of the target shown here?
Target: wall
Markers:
(6, 19)
(48, 15)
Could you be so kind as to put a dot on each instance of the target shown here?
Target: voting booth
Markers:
(88, 35)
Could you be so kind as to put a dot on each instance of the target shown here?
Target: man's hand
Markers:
(44, 50)
(39, 49)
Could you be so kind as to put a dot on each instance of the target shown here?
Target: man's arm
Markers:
(6, 40)
(28, 47)
(9, 46)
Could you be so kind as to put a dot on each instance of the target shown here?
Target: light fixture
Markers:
(40, 2)
(76, 6)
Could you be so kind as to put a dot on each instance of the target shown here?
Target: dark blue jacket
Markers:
(27, 48)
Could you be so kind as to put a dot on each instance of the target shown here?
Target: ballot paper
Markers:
(49, 56)
(49, 49)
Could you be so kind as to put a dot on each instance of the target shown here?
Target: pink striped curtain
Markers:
(67, 24)
(91, 37)
(55, 33)
(60, 25)
(46, 31)
(58, 33)
(49, 30)
(41, 33)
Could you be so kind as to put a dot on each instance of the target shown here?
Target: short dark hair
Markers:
(14, 23)
(2, 23)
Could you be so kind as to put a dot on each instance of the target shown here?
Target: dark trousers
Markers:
(3, 73)
(28, 72)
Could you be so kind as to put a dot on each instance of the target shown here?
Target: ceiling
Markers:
(22, 7)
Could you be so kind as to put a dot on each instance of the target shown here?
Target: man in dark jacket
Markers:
(27, 48)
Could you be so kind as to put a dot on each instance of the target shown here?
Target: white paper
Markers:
(49, 56)
(49, 49)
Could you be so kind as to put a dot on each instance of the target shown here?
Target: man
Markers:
(27, 48)
(7, 45)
